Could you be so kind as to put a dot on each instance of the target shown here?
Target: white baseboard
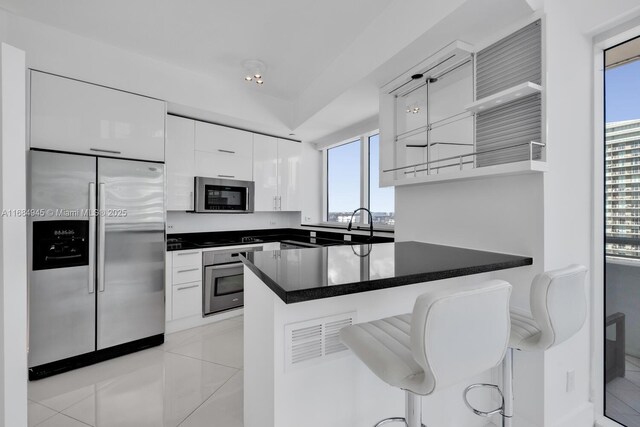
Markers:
(195, 321)
(607, 422)
(583, 416)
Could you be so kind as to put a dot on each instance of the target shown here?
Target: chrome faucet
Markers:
(370, 221)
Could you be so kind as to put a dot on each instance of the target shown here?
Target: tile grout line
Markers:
(209, 397)
(207, 361)
(48, 418)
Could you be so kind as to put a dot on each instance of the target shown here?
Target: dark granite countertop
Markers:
(183, 241)
(299, 275)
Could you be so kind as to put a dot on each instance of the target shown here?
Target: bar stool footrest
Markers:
(498, 410)
(392, 420)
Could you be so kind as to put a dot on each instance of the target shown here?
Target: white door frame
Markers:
(603, 41)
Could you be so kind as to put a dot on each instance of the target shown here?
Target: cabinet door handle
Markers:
(100, 150)
(227, 176)
(227, 151)
(186, 253)
(187, 287)
(188, 269)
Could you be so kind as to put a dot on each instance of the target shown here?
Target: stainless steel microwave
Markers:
(214, 195)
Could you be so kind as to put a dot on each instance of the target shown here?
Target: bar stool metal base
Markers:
(506, 394)
(412, 410)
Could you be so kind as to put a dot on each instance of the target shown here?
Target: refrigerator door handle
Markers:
(101, 235)
(92, 235)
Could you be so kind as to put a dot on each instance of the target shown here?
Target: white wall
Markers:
(13, 240)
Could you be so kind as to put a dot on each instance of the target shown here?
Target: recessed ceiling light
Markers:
(255, 70)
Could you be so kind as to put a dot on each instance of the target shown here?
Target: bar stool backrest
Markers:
(457, 334)
(559, 304)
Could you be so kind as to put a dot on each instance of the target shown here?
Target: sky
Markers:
(622, 86)
(344, 179)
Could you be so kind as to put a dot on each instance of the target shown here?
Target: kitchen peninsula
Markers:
(296, 370)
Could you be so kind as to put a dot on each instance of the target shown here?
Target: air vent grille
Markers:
(315, 340)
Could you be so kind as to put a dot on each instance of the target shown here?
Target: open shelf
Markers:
(503, 97)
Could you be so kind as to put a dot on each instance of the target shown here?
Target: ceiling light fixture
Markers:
(254, 70)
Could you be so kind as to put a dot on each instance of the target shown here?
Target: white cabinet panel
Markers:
(186, 274)
(223, 165)
(168, 292)
(187, 258)
(265, 172)
(69, 115)
(187, 300)
(276, 172)
(289, 157)
(180, 163)
(223, 152)
(221, 139)
(272, 246)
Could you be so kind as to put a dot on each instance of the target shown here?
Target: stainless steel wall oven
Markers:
(223, 279)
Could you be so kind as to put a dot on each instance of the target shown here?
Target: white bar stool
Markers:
(558, 304)
(453, 334)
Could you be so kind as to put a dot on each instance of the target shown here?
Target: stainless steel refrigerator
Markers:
(96, 259)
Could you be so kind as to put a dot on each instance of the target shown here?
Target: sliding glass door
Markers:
(622, 233)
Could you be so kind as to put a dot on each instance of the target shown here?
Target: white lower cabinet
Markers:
(183, 284)
(186, 274)
(187, 299)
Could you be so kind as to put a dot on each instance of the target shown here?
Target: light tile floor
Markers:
(623, 395)
(194, 379)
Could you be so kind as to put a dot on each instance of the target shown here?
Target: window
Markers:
(343, 181)
(352, 181)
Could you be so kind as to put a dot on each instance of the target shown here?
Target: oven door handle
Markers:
(223, 266)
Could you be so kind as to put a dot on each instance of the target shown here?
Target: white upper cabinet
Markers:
(265, 172)
(289, 157)
(180, 163)
(73, 116)
(222, 152)
(276, 172)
